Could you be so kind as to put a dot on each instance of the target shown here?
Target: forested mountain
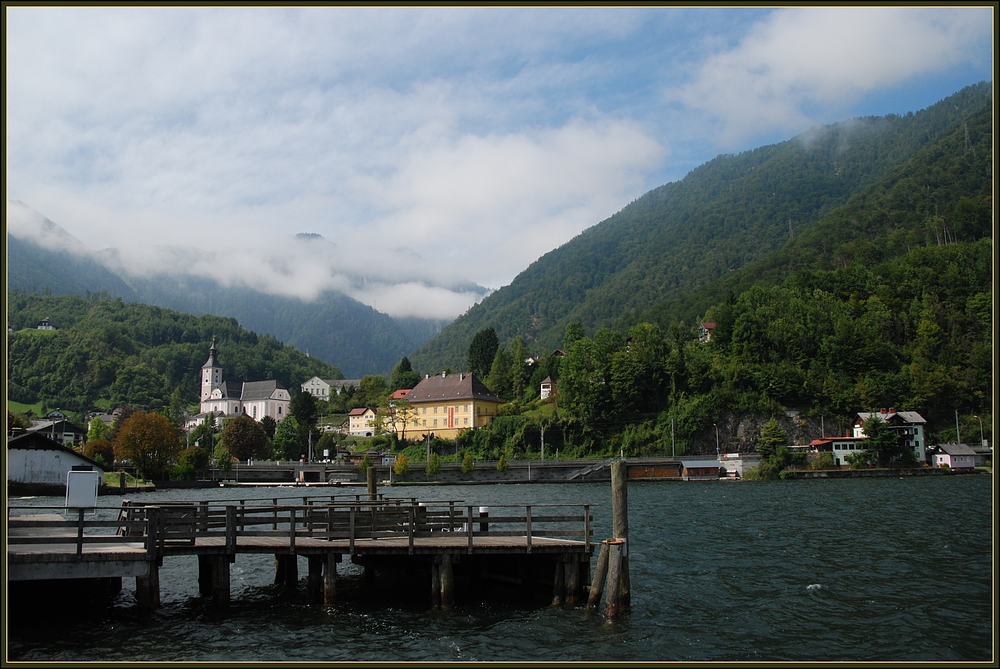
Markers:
(334, 327)
(732, 212)
(107, 352)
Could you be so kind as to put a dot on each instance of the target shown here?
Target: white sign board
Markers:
(81, 489)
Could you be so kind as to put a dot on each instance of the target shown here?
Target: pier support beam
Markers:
(600, 576)
(315, 586)
(204, 575)
(447, 583)
(147, 589)
(330, 579)
(435, 585)
(559, 584)
(614, 604)
(572, 566)
(220, 581)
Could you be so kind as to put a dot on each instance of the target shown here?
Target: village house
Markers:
(705, 332)
(59, 430)
(362, 422)
(955, 456)
(324, 389)
(445, 404)
(841, 447)
(227, 399)
(908, 425)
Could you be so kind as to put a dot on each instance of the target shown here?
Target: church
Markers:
(226, 399)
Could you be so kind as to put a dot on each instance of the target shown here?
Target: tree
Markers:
(573, 333)
(150, 441)
(403, 376)
(366, 464)
(402, 465)
(287, 441)
(204, 434)
(482, 351)
(101, 450)
(244, 438)
(98, 429)
(468, 464)
(882, 440)
(433, 464)
(223, 458)
(269, 425)
(502, 463)
(771, 438)
(191, 462)
(304, 409)
(15, 422)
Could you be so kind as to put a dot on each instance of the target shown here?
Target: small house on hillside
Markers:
(547, 388)
(362, 422)
(47, 324)
(908, 426)
(705, 332)
(60, 430)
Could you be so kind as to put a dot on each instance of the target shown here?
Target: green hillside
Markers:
(729, 213)
(108, 352)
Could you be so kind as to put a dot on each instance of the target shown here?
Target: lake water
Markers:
(821, 570)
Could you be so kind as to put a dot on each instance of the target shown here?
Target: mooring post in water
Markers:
(572, 565)
(614, 604)
(619, 503)
(600, 575)
(372, 488)
(435, 584)
(558, 584)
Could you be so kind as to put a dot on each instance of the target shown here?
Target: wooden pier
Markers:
(451, 543)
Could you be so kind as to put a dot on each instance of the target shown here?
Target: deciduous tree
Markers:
(150, 441)
(244, 438)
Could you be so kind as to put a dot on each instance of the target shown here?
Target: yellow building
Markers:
(446, 404)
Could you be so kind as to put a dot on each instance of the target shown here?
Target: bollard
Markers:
(619, 504)
(484, 515)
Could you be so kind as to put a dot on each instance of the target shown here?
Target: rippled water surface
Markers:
(857, 569)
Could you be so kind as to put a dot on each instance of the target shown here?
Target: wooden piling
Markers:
(614, 602)
(619, 503)
(447, 582)
(372, 486)
(279, 569)
(204, 575)
(330, 579)
(572, 569)
(600, 576)
(558, 584)
(291, 570)
(147, 589)
(435, 585)
(220, 581)
(316, 586)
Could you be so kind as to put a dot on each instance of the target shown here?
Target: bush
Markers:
(402, 465)
(468, 464)
(366, 464)
(433, 464)
(502, 464)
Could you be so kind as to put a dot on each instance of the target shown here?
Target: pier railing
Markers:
(178, 527)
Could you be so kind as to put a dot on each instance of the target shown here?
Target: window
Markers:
(435, 422)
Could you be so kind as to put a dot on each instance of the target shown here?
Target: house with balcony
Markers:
(908, 426)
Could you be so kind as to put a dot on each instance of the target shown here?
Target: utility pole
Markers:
(958, 434)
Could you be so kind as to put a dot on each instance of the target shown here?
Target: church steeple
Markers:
(211, 373)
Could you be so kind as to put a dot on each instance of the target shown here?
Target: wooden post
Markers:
(330, 579)
(619, 503)
(572, 565)
(279, 569)
(447, 583)
(204, 575)
(435, 585)
(316, 579)
(372, 487)
(558, 584)
(614, 603)
(600, 575)
(147, 588)
(220, 580)
(291, 570)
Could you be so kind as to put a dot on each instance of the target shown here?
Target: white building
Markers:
(255, 399)
(34, 458)
(909, 425)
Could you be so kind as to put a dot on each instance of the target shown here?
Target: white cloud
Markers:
(433, 148)
(829, 58)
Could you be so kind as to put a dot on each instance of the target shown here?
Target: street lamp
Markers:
(716, 441)
(982, 442)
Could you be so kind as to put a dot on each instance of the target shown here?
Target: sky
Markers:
(417, 158)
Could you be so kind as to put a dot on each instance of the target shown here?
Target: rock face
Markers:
(738, 433)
